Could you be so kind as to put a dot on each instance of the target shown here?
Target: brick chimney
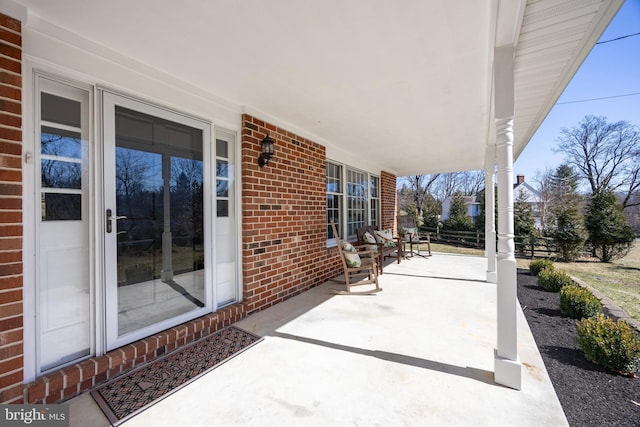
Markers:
(520, 179)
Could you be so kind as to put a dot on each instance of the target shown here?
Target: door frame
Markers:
(34, 67)
(108, 99)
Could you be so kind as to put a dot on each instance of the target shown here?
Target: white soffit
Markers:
(555, 38)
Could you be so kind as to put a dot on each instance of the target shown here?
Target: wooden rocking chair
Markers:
(359, 264)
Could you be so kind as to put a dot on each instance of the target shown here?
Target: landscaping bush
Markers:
(578, 302)
(537, 265)
(552, 280)
(614, 345)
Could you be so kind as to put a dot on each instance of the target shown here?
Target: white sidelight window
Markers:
(63, 171)
(226, 219)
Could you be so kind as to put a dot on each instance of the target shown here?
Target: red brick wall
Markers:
(284, 254)
(11, 349)
(388, 200)
(284, 217)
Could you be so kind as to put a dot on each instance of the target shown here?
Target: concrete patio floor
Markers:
(419, 353)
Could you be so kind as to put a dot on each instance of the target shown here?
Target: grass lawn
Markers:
(619, 280)
(450, 249)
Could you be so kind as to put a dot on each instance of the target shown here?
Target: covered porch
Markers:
(420, 352)
(369, 90)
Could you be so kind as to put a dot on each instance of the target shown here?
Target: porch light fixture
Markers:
(266, 153)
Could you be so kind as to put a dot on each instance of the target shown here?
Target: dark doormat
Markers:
(133, 392)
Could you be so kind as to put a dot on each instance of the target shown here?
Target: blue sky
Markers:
(611, 69)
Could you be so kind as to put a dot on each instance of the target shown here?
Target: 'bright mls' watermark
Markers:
(34, 415)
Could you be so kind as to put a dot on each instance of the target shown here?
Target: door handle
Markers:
(112, 218)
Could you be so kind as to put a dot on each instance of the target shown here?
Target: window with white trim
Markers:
(334, 198)
(374, 204)
(356, 201)
(353, 200)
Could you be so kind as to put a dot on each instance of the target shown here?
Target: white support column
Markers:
(489, 214)
(507, 363)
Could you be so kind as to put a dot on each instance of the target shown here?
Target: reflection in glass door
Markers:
(154, 219)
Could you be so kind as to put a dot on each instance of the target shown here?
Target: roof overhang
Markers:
(408, 85)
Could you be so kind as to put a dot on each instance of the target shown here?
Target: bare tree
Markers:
(420, 187)
(471, 182)
(446, 185)
(134, 170)
(418, 191)
(605, 154)
(405, 199)
(631, 186)
(543, 182)
(468, 183)
(191, 168)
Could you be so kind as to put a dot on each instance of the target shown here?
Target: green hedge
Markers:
(614, 345)
(552, 280)
(578, 302)
(537, 265)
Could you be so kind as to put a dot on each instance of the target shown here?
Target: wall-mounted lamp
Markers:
(267, 145)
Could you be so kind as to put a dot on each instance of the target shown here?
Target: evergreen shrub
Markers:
(578, 302)
(614, 345)
(537, 265)
(552, 280)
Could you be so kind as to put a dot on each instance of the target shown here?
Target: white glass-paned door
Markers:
(225, 237)
(63, 299)
(157, 200)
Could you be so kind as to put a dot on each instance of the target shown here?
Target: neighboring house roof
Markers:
(533, 194)
(467, 199)
(471, 199)
(403, 87)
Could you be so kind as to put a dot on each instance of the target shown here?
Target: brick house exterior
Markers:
(283, 214)
(284, 250)
(378, 123)
(11, 314)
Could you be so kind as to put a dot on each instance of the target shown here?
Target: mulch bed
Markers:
(590, 395)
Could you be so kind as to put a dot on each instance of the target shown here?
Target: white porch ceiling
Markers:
(406, 83)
